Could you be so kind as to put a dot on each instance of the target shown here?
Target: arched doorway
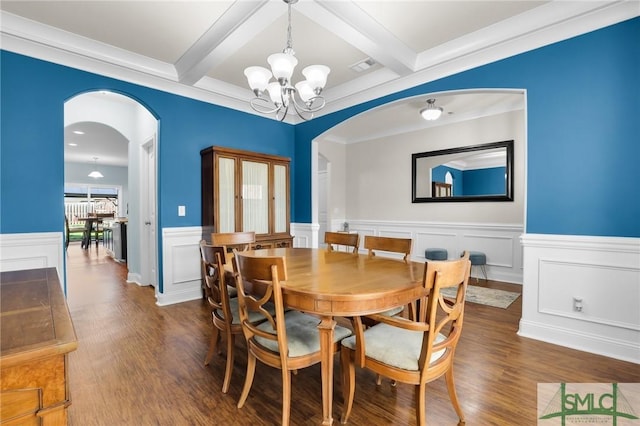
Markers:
(139, 128)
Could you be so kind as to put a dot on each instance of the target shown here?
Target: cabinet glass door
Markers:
(226, 195)
(255, 197)
(280, 198)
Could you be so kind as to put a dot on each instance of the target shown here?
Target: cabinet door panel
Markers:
(226, 195)
(255, 197)
(280, 192)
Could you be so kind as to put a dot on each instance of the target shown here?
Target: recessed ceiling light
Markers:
(78, 132)
(72, 144)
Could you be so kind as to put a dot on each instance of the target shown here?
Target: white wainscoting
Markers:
(602, 272)
(33, 251)
(181, 276)
(501, 243)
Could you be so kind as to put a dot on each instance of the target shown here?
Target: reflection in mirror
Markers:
(471, 173)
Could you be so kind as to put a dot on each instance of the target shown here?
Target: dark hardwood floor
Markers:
(140, 364)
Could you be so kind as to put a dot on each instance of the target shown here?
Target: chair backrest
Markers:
(389, 244)
(444, 314)
(343, 239)
(212, 259)
(258, 283)
(242, 241)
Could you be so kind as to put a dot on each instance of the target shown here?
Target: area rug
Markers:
(486, 296)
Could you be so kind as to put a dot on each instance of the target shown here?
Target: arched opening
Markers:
(117, 135)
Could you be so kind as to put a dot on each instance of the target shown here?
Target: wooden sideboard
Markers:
(36, 336)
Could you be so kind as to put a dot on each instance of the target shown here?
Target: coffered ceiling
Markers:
(200, 49)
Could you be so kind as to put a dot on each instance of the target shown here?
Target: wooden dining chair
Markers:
(224, 309)
(287, 340)
(388, 244)
(414, 352)
(392, 245)
(242, 241)
(341, 239)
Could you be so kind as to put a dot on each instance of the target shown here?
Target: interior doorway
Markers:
(127, 151)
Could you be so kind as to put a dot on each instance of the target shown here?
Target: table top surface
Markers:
(35, 320)
(346, 284)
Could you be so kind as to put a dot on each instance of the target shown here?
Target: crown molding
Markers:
(545, 25)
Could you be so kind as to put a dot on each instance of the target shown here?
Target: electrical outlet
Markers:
(182, 211)
(577, 304)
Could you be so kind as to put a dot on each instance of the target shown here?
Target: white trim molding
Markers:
(583, 292)
(181, 270)
(500, 243)
(32, 251)
(305, 234)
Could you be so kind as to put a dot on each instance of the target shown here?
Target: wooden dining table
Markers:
(337, 284)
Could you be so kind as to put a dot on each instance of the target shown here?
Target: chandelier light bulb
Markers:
(282, 66)
(316, 76)
(258, 78)
(305, 91)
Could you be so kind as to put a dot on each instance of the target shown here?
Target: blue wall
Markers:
(582, 159)
(439, 173)
(32, 149)
(489, 181)
(583, 169)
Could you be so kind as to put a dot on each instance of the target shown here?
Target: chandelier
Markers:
(277, 96)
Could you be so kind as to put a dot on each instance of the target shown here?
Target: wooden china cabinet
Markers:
(246, 191)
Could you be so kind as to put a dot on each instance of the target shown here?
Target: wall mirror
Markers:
(471, 173)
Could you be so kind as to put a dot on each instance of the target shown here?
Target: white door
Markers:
(148, 254)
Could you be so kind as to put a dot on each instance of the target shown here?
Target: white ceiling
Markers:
(199, 49)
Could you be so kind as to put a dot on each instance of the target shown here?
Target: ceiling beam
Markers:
(354, 26)
(237, 26)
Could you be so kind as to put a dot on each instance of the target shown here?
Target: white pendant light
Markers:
(95, 174)
(276, 97)
(431, 112)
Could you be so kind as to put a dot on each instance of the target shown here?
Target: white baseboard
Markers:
(603, 273)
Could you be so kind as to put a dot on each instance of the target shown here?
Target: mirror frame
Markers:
(509, 171)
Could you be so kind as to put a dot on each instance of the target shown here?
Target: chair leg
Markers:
(453, 396)
(229, 367)
(421, 408)
(348, 382)
(484, 272)
(286, 397)
(248, 380)
(213, 343)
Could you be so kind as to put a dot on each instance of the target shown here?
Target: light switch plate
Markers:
(182, 211)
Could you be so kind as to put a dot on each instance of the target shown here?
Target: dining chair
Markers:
(224, 309)
(341, 239)
(392, 245)
(288, 340)
(414, 352)
(388, 244)
(242, 241)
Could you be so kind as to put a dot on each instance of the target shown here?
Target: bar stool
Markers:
(436, 254)
(478, 258)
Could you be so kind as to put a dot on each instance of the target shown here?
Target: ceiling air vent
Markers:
(363, 65)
